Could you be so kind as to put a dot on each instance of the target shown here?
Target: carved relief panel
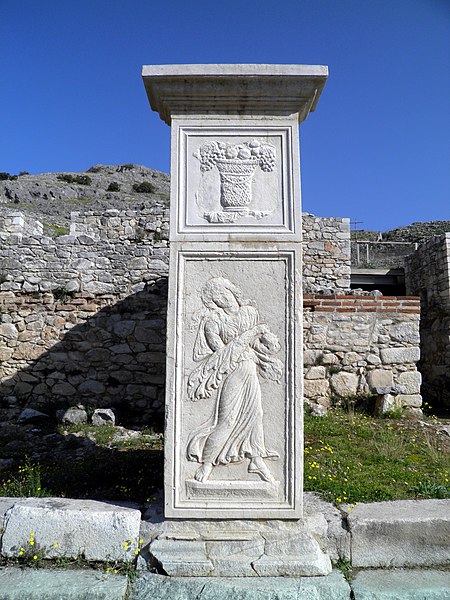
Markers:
(236, 424)
(237, 180)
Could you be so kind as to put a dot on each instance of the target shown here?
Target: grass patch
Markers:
(354, 458)
(101, 434)
(55, 230)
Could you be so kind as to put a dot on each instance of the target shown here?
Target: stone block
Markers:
(315, 388)
(404, 584)
(96, 529)
(72, 416)
(182, 558)
(8, 331)
(291, 556)
(405, 533)
(379, 378)
(336, 540)
(350, 358)
(159, 587)
(344, 383)
(62, 584)
(399, 355)
(103, 416)
(385, 403)
(30, 415)
(406, 332)
(315, 373)
(411, 380)
(411, 400)
(330, 359)
(310, 356)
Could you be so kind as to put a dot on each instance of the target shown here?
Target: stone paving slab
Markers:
(53, 584)
(402, 584)
(98, 530)
(405, 533)
(159, 587)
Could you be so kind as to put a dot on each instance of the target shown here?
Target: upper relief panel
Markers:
(235, 183)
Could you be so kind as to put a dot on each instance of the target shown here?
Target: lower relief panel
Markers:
(234, 402)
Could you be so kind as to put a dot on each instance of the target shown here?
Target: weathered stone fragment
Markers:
(72, 416)
(399, 355)
(103, 416)
(344, 383)
(405, 533)
(379, 378)
(96, 529)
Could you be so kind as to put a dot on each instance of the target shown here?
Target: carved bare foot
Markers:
(258, 466)
(203, 472)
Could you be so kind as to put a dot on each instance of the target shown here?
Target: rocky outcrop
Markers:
(51, 197)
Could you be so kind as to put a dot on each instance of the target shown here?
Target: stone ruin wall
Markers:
(362, 346)
(83, 316)
(427, 274)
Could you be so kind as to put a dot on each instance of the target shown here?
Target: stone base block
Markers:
(65, 527)
(401, 583)
(242, 549)
(405, 533)
(160, 587)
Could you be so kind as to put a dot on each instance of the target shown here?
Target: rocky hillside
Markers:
(416, 232)
(51, 197)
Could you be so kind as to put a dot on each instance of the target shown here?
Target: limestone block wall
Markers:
(362, 346)
(326, 253)
(427, 274)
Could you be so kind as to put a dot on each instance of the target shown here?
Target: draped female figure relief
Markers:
(233, 350)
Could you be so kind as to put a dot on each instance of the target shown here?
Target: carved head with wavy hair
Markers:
(221, 293)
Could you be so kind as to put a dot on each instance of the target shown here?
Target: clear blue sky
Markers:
(376, 149)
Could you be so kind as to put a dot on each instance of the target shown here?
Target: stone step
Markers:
(160, 587)
(402, 584)
(59, 584)
(68, 527)
(405, 533)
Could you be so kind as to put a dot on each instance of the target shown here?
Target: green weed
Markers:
(27, 482)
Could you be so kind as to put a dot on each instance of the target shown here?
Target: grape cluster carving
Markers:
(210, 153)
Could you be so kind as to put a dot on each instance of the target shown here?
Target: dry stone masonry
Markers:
(428, 275)
(113, 268)
(357, 347)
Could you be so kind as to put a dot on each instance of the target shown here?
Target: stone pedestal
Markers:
(234, 353)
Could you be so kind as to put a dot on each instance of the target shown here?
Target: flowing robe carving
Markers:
(232, 349)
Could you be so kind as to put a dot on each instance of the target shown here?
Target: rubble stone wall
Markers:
(360, 346)
(427, 274)
(115, 252)
(326, 253)
(82, 317)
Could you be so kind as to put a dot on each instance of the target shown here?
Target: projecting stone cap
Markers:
(405, 533)
(234, 89)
